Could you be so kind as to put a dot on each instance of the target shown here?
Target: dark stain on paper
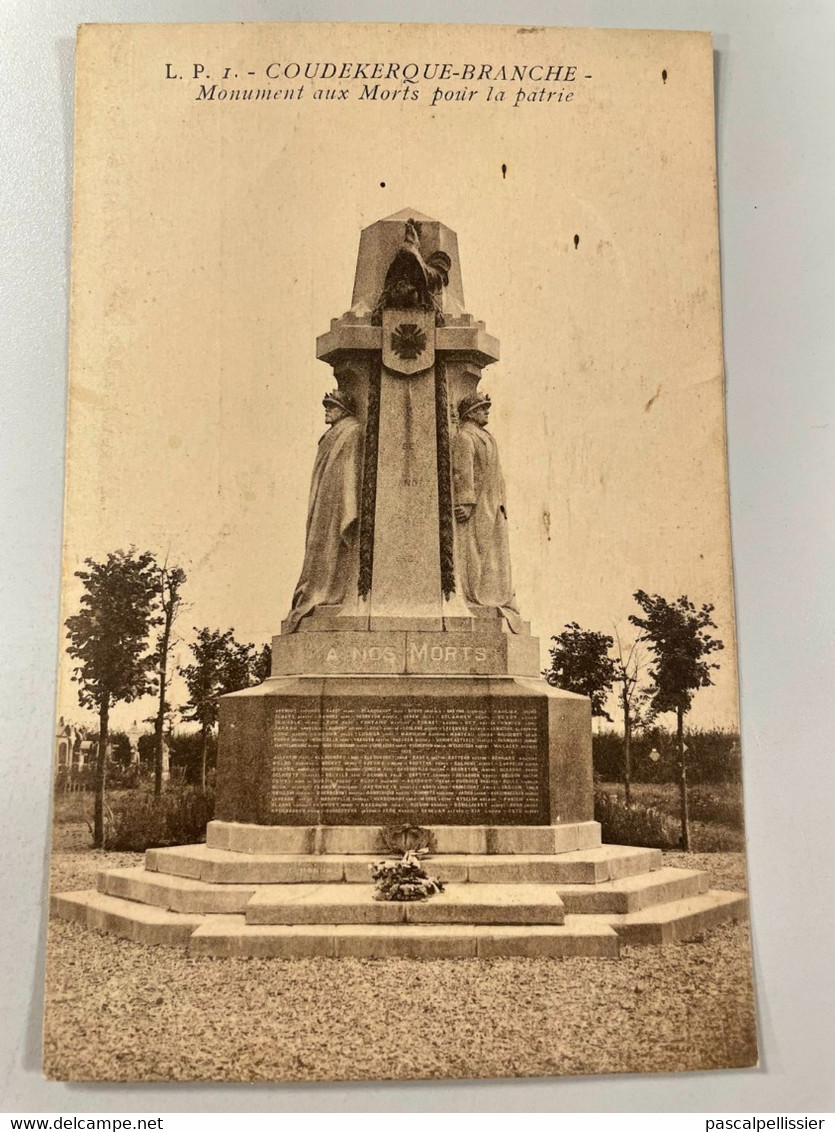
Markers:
(652, 400)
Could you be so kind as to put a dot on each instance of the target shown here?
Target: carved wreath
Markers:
(408, 341)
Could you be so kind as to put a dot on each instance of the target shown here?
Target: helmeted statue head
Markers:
(472, 402)
(342, 400)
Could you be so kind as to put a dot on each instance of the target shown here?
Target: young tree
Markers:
(580, 663)
(633, 702)
(676, 633)
(109, 640)
(170, 580)
(262, 665)
(221, 665)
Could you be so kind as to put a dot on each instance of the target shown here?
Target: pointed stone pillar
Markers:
(408, 369)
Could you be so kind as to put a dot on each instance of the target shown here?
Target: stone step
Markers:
(183, 894)
(355, 904)
(220, 866)
(679, 919)
(227, 934)
(245, 837)
(631, 894)
(141, 923)
(585, 866)
(174, 893)
(231, 935)
(582, 866)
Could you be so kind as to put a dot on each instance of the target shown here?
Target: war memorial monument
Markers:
(405, 705)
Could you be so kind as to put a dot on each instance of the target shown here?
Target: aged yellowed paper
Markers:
(476, 776)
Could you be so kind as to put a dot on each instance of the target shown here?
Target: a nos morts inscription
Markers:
(448, 762)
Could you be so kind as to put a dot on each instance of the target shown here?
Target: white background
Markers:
(776, 124)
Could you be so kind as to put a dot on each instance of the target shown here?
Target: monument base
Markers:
(391, 750)
(254, 891)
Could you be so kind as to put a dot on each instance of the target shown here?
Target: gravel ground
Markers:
(118, 1011)
(79, 868)
(726, 870)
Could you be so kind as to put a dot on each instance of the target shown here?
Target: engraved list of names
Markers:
(453, 761)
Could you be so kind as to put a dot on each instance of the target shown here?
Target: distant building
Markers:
(73, 753)
(68, 743)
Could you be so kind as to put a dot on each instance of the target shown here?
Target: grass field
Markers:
(716, 819)
(716, 805)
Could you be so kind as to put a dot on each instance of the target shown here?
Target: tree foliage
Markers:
(187, 755)
(676, 634)
(221, 665)
(262, 665)
(580, 663)
(146, 744)
(108, 639)
(120, 751)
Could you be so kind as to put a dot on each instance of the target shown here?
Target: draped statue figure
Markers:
(332, 512)
(480, 512)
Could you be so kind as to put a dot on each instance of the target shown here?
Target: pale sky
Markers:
(213, 243)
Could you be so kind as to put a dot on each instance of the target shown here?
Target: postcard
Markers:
(397, 732)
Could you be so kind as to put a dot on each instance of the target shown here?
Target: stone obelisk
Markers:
(409, 700)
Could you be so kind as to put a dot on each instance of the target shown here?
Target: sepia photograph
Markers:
(397, 728)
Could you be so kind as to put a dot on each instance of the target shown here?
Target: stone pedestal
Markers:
(391, 750)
